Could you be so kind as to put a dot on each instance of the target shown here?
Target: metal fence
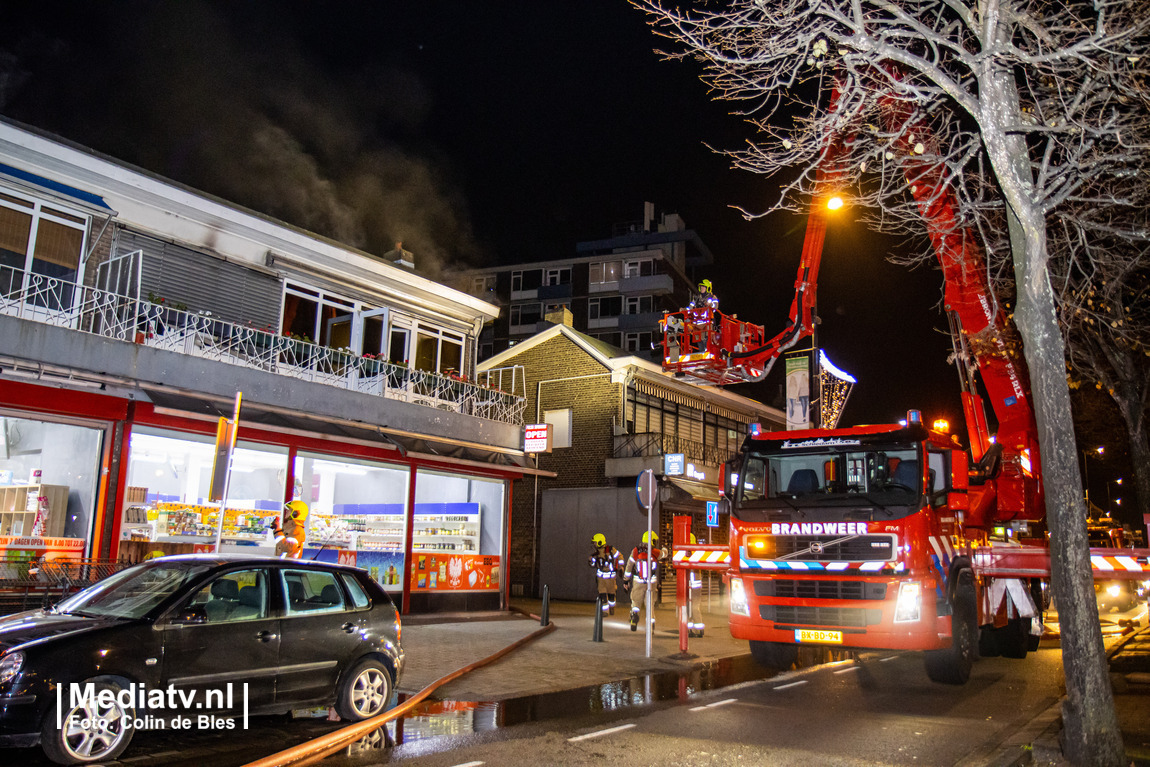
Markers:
(62, 303)
(651, 444)
(32, 585)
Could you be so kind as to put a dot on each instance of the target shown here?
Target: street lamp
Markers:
(1109, 502)
(1086, 473)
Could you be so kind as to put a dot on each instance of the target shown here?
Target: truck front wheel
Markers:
(774, 655)
(952, 664)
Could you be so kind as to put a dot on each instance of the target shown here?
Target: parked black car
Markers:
(209, 638)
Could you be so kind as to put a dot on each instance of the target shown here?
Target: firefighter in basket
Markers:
(290, 536)
(608, 565)
(641, 574)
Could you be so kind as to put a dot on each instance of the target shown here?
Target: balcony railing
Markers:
(62, 303)
(651, 444)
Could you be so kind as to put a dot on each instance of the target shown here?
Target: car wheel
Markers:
(366, 691)
(108, 734)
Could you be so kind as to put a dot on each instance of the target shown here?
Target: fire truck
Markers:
(894, 536)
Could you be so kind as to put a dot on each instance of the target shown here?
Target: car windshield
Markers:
(876, 475)
(134, 592)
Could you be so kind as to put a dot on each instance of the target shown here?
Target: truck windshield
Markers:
(875, 475)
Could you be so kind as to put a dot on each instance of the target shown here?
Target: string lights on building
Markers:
(835, 386)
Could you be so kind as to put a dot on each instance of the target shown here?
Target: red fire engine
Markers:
(889, 536)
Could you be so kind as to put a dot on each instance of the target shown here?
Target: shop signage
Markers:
(673, 464)
(537, 438)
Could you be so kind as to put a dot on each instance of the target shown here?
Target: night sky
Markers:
(478, 134)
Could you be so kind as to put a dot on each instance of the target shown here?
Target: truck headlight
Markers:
(908, 608)
(1114, 589)
(739, 604)
(10, 665)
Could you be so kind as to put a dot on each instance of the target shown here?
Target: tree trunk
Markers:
(1090, 726)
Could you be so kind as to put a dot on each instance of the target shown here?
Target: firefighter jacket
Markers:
(643, 565)
(606, 561)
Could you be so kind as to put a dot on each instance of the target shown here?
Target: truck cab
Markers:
(846, 538)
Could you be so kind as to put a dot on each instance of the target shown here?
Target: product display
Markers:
(22, 505)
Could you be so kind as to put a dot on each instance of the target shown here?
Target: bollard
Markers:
(597, 633)
(543, 618)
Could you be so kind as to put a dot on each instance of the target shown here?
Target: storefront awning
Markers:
(410, 445)
(700, 491)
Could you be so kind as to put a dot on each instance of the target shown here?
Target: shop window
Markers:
(358, 513)
(458, 530)
(168, 482)
(49, 474)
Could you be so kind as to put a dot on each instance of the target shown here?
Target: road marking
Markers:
(792, 684)
(716, 704)
(600, 733)
(468, 764)
(847, 670)
(889, 657)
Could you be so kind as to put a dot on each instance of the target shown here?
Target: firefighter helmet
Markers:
(599, 540)
(705, 286)
(296, 510)
(654, 536)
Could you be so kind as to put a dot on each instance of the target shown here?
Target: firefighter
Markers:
(608, 564)
(290, 536)
(642, 573)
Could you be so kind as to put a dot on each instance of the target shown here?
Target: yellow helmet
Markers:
(296, 510)
(705, 286)
(655, 536)
(599, 540)
(693, 538)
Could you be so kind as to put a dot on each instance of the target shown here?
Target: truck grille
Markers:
(863, 548)
(835, 617)
(819, 589)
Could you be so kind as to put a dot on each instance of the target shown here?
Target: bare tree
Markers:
(1030, 112)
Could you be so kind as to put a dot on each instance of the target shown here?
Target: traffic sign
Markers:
(645, 489)
(712, 513)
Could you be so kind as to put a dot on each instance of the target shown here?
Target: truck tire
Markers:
(774, 655)
(952, 664)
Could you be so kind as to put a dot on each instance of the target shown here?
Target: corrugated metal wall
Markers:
(203, 282)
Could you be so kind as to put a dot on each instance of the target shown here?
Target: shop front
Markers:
(134, 484)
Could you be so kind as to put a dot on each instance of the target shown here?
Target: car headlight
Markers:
(908, 608)
(739, 604)
(1113, 589)
(10, 665)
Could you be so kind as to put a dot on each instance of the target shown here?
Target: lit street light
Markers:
(1086, 473)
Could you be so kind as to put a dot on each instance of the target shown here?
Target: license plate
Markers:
(818, 635)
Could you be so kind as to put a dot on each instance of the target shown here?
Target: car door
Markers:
(320, 636)
(223, 637)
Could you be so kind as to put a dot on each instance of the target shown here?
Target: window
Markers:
(517, 280)
(359, 597)
(608, 338)
(312, 591)
(482, 284)
(526, 280)
(642, 267)
(438, 350)
(238, 596)
(561, 422)
(637, 342)
(639, 305)
(558, 276)
(605, 271)
(42, 240)
(607, 306)
(319, 317)
(525, 314)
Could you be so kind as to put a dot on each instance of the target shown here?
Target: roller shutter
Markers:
(204, 282)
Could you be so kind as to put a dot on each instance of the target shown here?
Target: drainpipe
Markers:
(535, 499)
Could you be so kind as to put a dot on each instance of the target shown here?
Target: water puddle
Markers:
(437, 718)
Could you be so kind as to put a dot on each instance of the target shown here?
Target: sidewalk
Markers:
(565, 659)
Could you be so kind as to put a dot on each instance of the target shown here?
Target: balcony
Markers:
(632, 453)
(637, 322)
(652, 284)
(107, 315)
